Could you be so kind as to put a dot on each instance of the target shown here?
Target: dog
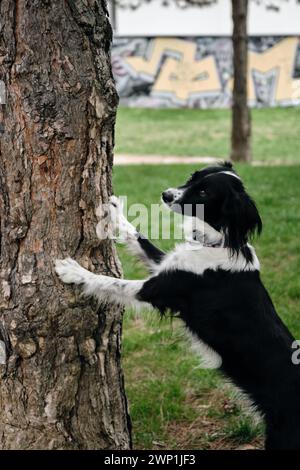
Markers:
(214, 286)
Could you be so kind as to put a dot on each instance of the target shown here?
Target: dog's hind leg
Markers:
(104, 288)
(135, 241)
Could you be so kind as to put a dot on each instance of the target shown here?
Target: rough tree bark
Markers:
(241, 118)
(61, 385)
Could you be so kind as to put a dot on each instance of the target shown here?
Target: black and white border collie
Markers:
(215, 288)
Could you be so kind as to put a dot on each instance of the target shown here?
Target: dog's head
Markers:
(226, 205)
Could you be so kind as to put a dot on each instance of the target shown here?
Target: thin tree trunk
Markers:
(61, 385)
(241, 118)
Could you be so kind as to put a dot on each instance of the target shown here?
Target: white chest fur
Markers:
(209, 358)
(196, 258)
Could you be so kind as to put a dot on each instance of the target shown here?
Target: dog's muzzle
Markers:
(171, 196)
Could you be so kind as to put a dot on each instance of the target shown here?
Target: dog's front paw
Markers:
(70, 272)
(112, 222)
(108, 218)
(116, 214)
(115, 202)
(122, 229)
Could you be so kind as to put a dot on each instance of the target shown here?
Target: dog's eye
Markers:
(202, 193)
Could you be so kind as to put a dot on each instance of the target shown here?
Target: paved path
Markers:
(124, 159)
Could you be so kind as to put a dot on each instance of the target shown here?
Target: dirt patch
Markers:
(209, 431)
(206, 434)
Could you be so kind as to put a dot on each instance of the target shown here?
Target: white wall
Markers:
(155, 20)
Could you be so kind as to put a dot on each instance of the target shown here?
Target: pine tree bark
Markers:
(61, 385)
(241, 118)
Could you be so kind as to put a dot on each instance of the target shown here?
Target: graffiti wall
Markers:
(197, 72)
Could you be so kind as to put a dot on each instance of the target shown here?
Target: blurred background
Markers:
(200, 81)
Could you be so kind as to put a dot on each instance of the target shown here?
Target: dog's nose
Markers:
(167, 196)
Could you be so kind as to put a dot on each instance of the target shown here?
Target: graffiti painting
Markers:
(197, 72)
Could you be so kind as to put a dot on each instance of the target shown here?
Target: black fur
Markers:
(232, 311)
(151, 251)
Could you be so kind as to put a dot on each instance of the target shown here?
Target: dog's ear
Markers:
(241, 219)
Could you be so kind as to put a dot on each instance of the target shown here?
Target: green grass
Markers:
(197, 132)
(242, 431)
(173, 402)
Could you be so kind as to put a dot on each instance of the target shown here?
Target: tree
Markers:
(61, 384)
(241, 118)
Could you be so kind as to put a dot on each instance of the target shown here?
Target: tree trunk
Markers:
(61, 384)
(241, 119)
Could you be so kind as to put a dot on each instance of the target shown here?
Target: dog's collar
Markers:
(199, 237)
(230, 173)
(212, 245)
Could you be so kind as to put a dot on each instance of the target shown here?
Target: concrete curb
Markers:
(124, 159)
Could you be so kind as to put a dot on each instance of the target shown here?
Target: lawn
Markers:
(174, 403)
(197, 132)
